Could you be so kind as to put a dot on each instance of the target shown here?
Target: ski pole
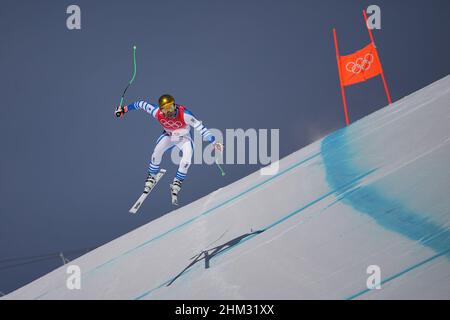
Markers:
(129, 83)
(220, 168)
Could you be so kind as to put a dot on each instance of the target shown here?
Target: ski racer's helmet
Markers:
(165, 101)
(167, 105)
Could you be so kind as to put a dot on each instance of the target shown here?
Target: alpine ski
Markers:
(144, 195)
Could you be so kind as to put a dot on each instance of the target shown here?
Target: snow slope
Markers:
(374, 193)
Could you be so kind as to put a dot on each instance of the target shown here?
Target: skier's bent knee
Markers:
(184, 164)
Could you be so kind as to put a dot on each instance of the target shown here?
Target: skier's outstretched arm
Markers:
(198, 125)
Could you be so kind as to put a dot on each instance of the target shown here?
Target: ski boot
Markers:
(175, 188)
(149, 183)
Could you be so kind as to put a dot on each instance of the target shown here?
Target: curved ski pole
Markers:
(118, 114)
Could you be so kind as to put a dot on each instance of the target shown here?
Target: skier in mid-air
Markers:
(175, 120)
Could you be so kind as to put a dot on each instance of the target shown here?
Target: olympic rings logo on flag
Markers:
(171, 124)
(361, 64)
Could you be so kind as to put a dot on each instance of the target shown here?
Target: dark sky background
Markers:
(70, 170)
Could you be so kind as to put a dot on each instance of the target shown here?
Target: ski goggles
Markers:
(168, 109)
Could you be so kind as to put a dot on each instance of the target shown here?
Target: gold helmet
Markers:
(167, 105)
(166, 101)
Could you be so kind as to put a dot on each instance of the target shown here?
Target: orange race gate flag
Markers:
(358, 67)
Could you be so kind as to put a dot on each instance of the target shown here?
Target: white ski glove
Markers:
(219, 146)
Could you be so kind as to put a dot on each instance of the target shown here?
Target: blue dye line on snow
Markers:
(401, 273)
(388, 213)
(143, 295)
(391, 214)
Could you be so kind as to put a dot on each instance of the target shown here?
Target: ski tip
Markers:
(134, 209)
